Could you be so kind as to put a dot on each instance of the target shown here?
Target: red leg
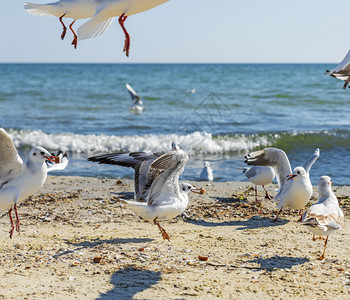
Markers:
(75, 40)
(17, 220)
(301, 216)
(162, 230)
(267, 196)
(121, 21)
(64, 27)
(276, 219)
(12, 225)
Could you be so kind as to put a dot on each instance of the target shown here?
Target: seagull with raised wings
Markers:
(295, 188)
(158, 194)
(342, 70)
(137, 104)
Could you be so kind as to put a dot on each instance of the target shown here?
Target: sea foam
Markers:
(193, 143)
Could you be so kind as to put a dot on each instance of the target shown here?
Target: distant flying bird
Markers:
(107, 10)
(207, 172)
(295, 188)
(19, 180)
(137, 104)
(342, 71)
(158, 194)
(325, 217)
(73, 9)
(191, 91)
(260, 175)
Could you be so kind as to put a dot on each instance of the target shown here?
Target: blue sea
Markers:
(84, 109)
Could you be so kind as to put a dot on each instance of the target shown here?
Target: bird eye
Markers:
(34, 154)
(42, 152)
(298, 172)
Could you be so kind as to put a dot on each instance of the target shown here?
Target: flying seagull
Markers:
(342, 71)
(73, 9)
(107, 10)
(135, 98)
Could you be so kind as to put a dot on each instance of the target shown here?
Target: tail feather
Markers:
(92, 28)
(43, 9)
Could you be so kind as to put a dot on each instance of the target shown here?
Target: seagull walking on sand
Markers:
(325, 217)
(260, 175)
(295, 188)
(107, 10)
(158, 194)
(18, 180)
(137, 104)
(207, 172)
(73, 9)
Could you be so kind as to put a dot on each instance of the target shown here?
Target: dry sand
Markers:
(73, 220)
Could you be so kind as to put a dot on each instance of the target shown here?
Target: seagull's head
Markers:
(39, 154)
(175, 146)
(186, 188)
(298, 173)
(324, 183)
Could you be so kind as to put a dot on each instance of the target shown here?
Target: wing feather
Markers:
(10, 162)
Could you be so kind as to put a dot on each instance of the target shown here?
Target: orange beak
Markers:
(197, 190)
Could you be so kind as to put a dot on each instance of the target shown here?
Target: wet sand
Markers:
(78, 242)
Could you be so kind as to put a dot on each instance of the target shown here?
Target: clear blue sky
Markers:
(190, 31)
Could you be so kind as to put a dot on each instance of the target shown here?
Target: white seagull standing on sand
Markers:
(107, 10)
(326, 216)
(207, 172)
(135, 98)
(158, 194)
(342, 71)
(73, 9)
(295, 188)
(260, 175)
(18, 180)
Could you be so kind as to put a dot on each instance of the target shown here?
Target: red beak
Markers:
(53, 158)
(291, 176)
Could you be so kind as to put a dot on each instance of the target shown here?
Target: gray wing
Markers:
(309, 163)
(10, 162)
(272, 157)
(139, 161)
(63, 163)
(343, 68)
(169, 168)
(134, 96)
(251, 172)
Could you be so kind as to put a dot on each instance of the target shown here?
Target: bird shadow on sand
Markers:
(129, 281)
(277, 262)
(96, 242)
(252, 223)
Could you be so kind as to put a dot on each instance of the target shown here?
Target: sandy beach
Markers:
(78, 242)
